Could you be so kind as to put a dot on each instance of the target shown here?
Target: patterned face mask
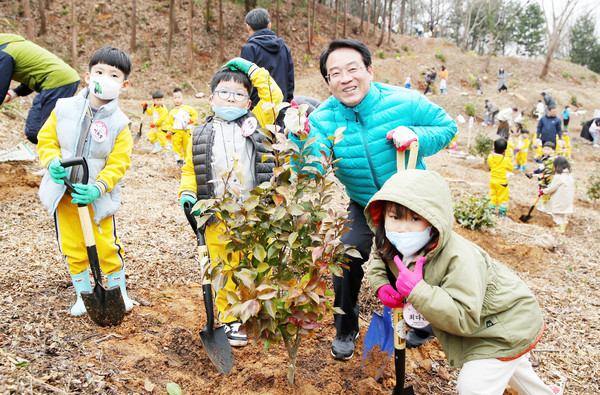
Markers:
(104, 88)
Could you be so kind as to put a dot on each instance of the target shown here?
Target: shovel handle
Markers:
(412, 157)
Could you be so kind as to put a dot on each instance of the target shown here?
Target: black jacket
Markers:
(269, 51)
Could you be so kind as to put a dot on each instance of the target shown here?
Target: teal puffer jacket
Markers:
(368, 159)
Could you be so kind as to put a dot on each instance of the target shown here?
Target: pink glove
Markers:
(389, 297)
(540, 192)
(407, 280)
(402, 137)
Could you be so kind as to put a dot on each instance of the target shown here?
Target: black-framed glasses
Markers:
(337, 75)
(224, 94)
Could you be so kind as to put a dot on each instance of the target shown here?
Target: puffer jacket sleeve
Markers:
(434, 127)
(268, 92)
(118, 161)
(455, 305)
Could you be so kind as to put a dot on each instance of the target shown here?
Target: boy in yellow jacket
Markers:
(500, 165)
(159, 114)
(231, 132)
(521, 149)
(179, 123)
(93, 126)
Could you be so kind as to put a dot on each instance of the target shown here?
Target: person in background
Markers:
(484, 316)
(521, 149)
(158, 128)
(179, 123)
(566, 118)
(540, 109)
(36, 69)
(265, 49)
(502, 85)
(545, 171)
(505, 121)
(491, 110)
(549, 128)
(548, 101)
(562, 193)
(380, 119)
(500, 165)
(89, 125)
(444, 81)
(407, 83)
(519, 122)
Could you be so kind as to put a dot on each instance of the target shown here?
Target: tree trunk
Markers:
(551, 48)
(402, 9)
(368, 19)
(312, 23)
(277, 19)
(389, 24)
(362, 16)
(335, 23)
(191, 27)
(42, 17)
(345, 18)
(308, 32)
(74, 34)
(207, 15)
(28, 19)
(171, 28)
(221, 56)
(133, 42)
(292, 349)
(382, 25)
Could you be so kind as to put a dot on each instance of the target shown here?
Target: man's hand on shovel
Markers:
(407, 280)
(402, 137)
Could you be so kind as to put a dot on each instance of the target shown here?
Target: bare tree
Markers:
(389, 24)
(335, 20)
(28, 19)
(42, 17)
(362, 15)
(402, 9)
(74, 34)
(308, 29)
(345, 18)
(171, 28)
(191, 38)
(473, 16)
(221, 31)
(368, 19)
(133, 41)
(207, 16)
(382, 24)
(499, 16)
(556, 29)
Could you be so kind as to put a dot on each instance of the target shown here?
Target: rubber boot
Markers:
(502, 212)
(81, 282)
(156, 148)
(118, 278)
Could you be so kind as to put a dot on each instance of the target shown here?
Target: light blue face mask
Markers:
(229, 113)
(409, 243)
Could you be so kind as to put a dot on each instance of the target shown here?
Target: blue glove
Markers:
(189, 199)
(57, 172)
(86, 193)
(240, 64)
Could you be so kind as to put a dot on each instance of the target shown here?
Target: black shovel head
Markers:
(525, 217)
(218, 348)
(400, 364)
(105, 307)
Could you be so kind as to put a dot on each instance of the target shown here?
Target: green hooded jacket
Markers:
(477, 307)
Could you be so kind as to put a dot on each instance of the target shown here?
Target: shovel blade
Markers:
(105, 307)
(400, 362)
(378, 344)
(524, 218)
(218, 348)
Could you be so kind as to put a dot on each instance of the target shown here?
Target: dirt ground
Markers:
(45, 350)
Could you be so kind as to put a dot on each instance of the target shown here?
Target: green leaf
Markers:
(259, 253)
(174, 389)
(22, 364)
(263, 267)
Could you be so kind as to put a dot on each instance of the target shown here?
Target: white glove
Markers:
(402, 137)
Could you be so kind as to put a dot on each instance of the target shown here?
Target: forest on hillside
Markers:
(185, 32)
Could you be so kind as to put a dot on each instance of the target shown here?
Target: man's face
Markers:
(349, 80)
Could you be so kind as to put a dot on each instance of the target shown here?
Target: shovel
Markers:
(104, 306)
(139, 133)
(214, 339)
(527, 217)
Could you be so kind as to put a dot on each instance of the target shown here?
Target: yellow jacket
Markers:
(181, 118)
(159, 116)
(268, 92)
(119, 160)
(499, 166)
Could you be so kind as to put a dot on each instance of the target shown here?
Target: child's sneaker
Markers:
(232, 330)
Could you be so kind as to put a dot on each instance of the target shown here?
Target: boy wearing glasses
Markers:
(231, 133)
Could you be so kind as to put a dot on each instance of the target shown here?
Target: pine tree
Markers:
(584, 44)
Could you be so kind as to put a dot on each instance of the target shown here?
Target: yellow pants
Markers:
(158, 135)
(521, 158)
(180, 141)
(72, 245)
(499, 193)
(216, 248)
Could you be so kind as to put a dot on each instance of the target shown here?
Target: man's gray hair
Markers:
(258, 18)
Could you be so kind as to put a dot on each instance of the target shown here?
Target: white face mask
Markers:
(105, 88)
(409, 243)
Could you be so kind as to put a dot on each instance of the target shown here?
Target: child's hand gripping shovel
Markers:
(104, 306)
(214, 339)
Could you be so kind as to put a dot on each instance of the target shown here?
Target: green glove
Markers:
(57, 172)
(188, 199)
(240, 64)
(86, 193)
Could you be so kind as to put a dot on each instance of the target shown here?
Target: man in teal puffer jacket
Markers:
(379, 119)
